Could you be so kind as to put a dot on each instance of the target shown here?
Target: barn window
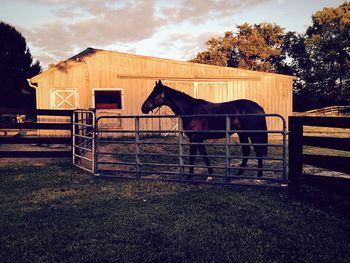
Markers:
(108, 99)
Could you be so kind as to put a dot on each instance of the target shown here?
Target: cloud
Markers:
(198, 11)
(129, 23)
(187, 44)
(77, 24)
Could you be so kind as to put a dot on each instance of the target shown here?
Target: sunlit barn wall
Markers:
(135, 76)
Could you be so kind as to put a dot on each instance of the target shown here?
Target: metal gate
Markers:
(84, 139)
(144, 151)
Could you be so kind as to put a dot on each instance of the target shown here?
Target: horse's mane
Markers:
(184, 97)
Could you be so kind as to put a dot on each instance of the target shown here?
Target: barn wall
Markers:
(136, 75)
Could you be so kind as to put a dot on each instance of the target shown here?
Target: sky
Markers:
(175, 29)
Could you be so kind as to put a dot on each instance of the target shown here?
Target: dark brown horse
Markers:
(183, 104)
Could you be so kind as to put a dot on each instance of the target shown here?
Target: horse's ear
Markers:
(160, 83)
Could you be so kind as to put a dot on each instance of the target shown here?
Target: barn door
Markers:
(64, 99)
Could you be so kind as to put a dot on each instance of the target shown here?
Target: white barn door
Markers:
(64, 99)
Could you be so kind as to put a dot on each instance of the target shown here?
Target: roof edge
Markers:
(89, 51)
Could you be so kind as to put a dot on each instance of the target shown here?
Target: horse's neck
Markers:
(179, 102)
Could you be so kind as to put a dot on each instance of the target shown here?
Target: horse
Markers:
(182, 104)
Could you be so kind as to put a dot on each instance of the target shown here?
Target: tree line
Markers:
(319, 57)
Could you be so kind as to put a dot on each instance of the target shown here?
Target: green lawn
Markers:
(57, 213)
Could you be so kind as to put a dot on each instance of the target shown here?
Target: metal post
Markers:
(80, 121)
(96, 137)
(93, 144)
(181, 150)
(137, 146)
(227, 155)
(284, 134)
(73, 136)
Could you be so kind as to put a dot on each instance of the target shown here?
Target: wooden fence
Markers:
(297, 140)
(327, 111)
(8, 127)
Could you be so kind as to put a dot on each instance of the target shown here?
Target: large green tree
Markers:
(16, 66)
(320, 58)
(298, 63)
(327, 45)
(254, 47)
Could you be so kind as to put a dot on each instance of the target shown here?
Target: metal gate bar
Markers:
(84, 139)
(133, 159)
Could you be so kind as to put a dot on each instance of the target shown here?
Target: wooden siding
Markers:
(136, 76)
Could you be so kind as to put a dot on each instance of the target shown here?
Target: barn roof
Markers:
(91, 51)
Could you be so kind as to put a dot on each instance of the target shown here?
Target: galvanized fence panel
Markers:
(83, 147)
(143, 152)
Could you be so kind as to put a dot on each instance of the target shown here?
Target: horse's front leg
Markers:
(193, 151)
(204, 154)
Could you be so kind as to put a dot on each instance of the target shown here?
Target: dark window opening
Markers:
(108, 99)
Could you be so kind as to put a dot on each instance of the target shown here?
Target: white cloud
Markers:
(187, 45)
(78, 24)
(197, 11)
(130, 23)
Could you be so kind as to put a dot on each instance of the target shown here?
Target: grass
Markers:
(58, 213)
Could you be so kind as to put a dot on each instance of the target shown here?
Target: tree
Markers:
(16, 66)
(219, 51)
(298, 64)
(328, 46)
(321, 59)
(254, 47)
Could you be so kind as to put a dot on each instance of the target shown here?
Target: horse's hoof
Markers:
(209, 179)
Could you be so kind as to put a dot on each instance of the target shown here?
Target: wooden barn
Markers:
(117, 84)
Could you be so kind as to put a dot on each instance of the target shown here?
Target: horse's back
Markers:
(243, 106)
(253, 121)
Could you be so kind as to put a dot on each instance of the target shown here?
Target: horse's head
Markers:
(155, 99)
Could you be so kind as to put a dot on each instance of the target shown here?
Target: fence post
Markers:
(73, 121)
(181, 150)
(137, 146)
(284, 134)
(94, 142)
(227, 143)
(295, 149)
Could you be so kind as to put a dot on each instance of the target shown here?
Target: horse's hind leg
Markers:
(260, 150)
(243, 138)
